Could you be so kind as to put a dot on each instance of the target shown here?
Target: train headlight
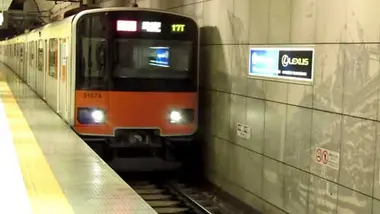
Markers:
(181, 116)
(91, 116)
(98, 116)
(175, 116)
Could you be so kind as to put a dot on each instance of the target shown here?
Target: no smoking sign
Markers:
(319, 155)
(327, 157)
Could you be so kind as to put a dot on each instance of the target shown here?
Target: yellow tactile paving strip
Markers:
(45, 193)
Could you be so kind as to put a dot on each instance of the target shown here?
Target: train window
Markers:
(35, 45)
(21, 53)
(40, 55)
(91, 52)
(31, 53)
(137, 58)
(53, 54)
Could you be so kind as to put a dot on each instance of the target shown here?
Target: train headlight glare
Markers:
(175, 117)
(91, 115)
(98, 116)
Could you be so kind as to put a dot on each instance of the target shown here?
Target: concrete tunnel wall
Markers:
(275, 171)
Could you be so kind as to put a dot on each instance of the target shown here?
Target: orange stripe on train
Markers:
(135, 109)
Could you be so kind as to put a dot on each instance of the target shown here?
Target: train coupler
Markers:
(135, 139)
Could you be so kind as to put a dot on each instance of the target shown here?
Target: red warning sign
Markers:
(319, 155)
(327, 158)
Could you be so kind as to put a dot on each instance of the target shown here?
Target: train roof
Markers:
(94, 10)
(75, 17)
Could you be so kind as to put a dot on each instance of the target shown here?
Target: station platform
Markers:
(46, 168)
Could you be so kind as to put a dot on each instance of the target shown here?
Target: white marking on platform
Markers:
(13, 194)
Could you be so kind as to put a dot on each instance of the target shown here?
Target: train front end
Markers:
(136, 77)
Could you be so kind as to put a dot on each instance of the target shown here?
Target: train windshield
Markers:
(153, 52)
(136, 58)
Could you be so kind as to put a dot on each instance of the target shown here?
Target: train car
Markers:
(128, 76)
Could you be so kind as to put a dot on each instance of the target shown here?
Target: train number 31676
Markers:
(92, 95)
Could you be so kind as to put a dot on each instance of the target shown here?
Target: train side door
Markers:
(40, 73)
(35, 64)
(23, 59)
(46, 66)
(63, 80)
(22, 62)
(19, 60)
(58, 75)
(69, 69)
(26, 61)
(30, 64)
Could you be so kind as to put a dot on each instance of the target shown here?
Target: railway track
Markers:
(175, 197)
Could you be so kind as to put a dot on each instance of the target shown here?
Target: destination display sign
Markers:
(132, 26)
(282, 63)
(146, 26)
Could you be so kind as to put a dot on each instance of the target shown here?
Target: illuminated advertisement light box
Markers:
(160, 57)
(294, 64)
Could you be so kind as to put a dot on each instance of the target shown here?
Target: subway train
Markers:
(125, 76)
